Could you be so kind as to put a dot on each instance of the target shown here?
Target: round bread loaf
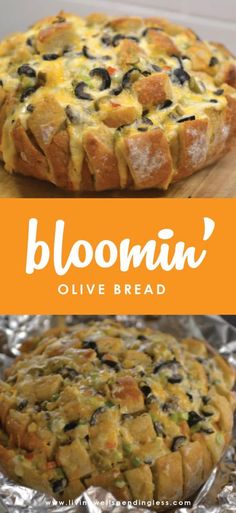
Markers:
(134, 411)
(114, 103)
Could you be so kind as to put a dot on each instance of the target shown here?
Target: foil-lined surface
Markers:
(218, 495)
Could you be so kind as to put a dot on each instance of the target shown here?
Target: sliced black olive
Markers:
(205, 399)
(159, 429)
(1, 83)
(187, 118)
(26, 70)
(175, 379)
(193, 418)
(206, 430)
(178, 441)
(189, 396)
(151, 399)
(60, 485)
(80, 92)
(156, 68)
(142, 337)
(104, 75)
(179, 59)
(22, 405)
(146, 390)
(89, 344)
(74, 117)
(30, 107)
(219, 92)
(167, 407)
(167, 363)
(29, 41)
(86, 438)
(71, 425)
(120, 128)
(111, 363)
(118, 37)
(158, 29)
(213, 62)
(106, 40)
(127, 76)
(142, 129)
(87, 54)
(166, 104)
(51, 56)
(95, 414)
(146, 73)
(37, 407)
(213, 100)
(27, 92)
(207, 413)
(106, 58)
(117, 90)
(181, 75)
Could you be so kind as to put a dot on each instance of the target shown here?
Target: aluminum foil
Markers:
(218, 495)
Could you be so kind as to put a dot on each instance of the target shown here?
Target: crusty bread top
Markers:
(110, 401)
(99, 79)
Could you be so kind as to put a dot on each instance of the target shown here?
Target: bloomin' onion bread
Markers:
(114, 103)
(131, 410)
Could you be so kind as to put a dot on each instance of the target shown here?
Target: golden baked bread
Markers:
(114, 103)
(131, 410)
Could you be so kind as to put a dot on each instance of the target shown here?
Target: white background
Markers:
(212, 19)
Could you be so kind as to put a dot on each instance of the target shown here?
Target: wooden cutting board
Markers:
(218, 181)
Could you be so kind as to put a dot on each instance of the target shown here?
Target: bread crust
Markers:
(168, 472)
(148, 158)
(92, 419)
(76, 93)
(28, 159)
(192, 458)
(194, 143)
(102, 160)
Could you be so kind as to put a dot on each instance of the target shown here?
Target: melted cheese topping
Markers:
(72, 67)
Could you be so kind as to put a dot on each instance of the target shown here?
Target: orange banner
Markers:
(117, 256)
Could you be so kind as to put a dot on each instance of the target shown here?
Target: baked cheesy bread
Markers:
(134, 411)
(114, 103)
